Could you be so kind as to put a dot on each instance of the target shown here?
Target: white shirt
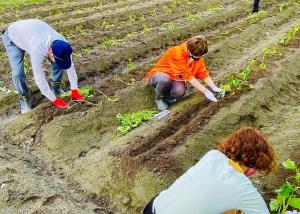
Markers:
(35, 37)
(212, 186)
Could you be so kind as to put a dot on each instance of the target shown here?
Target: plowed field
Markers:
(70, 161)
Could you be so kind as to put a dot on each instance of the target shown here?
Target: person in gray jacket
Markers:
(41, 42)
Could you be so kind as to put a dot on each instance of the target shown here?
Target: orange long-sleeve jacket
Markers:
(175, 63)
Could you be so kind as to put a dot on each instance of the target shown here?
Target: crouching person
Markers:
(41, 42)
(219, 182)
(178, 65)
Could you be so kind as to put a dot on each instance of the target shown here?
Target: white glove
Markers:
(220, 93)
(292, 212)
(209, 95)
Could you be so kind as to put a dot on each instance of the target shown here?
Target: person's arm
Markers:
(41, 82)
(72, 76)
(251, 202)
(194, 82)
(39, 77)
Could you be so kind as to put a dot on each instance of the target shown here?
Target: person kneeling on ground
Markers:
(41, 42)
(180, 64)
(219, 182)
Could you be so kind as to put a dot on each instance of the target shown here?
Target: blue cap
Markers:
(62, 53)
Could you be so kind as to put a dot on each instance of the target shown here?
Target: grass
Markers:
(17, 3)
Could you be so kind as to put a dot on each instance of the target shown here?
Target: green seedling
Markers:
(132, 17)
(290, 35)
(170, 26)
(3, 55)
(153, 12)
(166, 10)
(288, 195)
(130, 121)
(81, 30)
(214, 8)
(86, 50)
(146, 29)
(106, 25)
(130, 65)
(237, 81)
(87, 92)
(282, 6)
(255, 17)
(190, 16)
(110, 42)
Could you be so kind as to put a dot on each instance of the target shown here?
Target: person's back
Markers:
(33, 35)
(212, 181)
(219, 182)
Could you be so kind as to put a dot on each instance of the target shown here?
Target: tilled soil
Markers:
(71, 161)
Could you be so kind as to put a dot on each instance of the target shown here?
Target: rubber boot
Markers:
(25, 104)
(56, 88)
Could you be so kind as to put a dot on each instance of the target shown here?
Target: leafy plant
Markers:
(190, 16)
(288, 193)
(130, 65)
(214, 8)
(132, 17)
(87, 92)
(290, 35)
(106, 25)
(130, 121)
(237, 81)
(146, 29)
(255, 17)
(110, 42)
(282, 6)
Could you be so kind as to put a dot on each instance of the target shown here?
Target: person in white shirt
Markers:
(219, 182)
(41, 42)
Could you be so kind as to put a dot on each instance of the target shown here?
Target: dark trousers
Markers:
(148, 208)
(255, 6)
(165, 87)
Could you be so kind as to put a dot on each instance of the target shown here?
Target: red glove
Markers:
(75, 95)
(60, 103)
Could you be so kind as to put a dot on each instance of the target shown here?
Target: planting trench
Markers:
(58, 161)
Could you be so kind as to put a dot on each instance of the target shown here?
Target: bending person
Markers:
(178, 65)
(41, 42)
(219, 182)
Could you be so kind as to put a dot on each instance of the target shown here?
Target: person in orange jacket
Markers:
(178, 65)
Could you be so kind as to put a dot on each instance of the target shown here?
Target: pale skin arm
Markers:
(210, 82)
(194, 82)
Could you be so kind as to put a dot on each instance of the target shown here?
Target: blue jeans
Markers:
(16, 61)
(255, 6)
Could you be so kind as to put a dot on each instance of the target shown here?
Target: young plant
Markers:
(255, 17)
(87, 92)
(109, 42)
(237, 81)
(146, 29)
(130, 65)
(106, 25)
(191, 16)
(130, 121)
(214, 8)
(288, 196)
(290, 35)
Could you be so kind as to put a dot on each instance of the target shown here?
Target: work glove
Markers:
(75, 95)
(219, 93)
(209, 95)
(60, 103)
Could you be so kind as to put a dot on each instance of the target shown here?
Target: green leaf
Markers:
(274, 205)
(289, 164)
(295, 202)
(285, 189)
(297, 176)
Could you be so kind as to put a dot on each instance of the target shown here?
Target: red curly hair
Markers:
(249, 147)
